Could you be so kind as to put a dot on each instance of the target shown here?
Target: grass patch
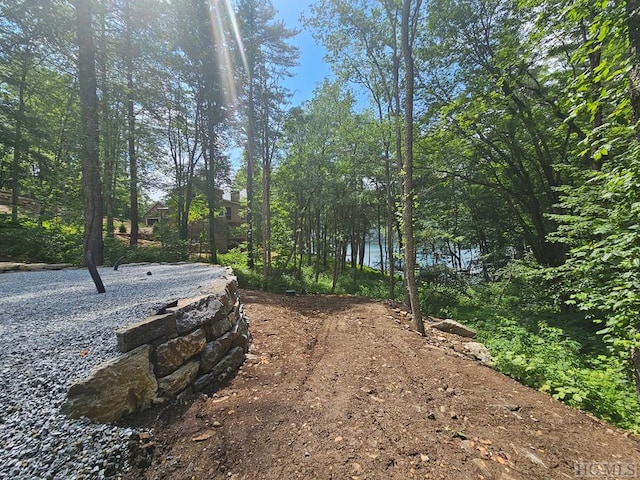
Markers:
(366, 282)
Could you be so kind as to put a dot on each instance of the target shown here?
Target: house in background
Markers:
(155, 214)
(226, 226)
(226, 232)
(232, 209)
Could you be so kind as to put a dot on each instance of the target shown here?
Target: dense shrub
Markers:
(366, 282)
(559, 353)
(440, 290)
(51, 242)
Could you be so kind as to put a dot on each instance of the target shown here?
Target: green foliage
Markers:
(441, 290)
(368, 282)
(557, 353)
(598, 215)
(177, 251)
(603, 273)
(114, 249)
(528, 286)
(237, 259)
(438, 300)
(499, 136)
(524, 143)
(51, 242)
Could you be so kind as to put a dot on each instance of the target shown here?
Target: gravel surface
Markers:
(54, 328)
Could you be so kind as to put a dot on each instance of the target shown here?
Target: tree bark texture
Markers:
(17, 148)
(133, 161)
(266, 189)
(108, 141)
(250, 169)
(91, 183)
(131, 139)
(407, 197)
(635, 359)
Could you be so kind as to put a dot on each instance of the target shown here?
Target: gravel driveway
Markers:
(54, 328)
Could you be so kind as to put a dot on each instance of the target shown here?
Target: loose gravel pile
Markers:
(54, 328)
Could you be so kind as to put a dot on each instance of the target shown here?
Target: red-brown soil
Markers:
(338, 387)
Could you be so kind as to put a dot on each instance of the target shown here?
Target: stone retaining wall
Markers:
(31, 267)
(186, 347)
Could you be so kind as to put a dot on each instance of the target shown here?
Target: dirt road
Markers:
(340, 388)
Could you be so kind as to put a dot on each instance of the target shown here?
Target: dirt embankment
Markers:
(340, 388)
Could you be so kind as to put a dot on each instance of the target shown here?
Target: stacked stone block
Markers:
(188, 347)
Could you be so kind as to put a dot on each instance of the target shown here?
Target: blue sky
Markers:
(311, 69)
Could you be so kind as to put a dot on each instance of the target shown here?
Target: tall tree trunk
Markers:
(336, 266)
(266, 218)
(251, 52)
(212, 112)
(174, 138)
(309, 225)
(131, 122)
(325, 246)
(319, 246)
(17, 147)
(107, 140)
(250, 171)
(109, 170)
(354, 249)
(407, 197)
(390, 213)
(133, 161)
(212, 121)
(400, 163)
(363, 243)
(266, 190)
(380, 246)
(298, 272)
(211, 188)
(184, 227)
(91, 184)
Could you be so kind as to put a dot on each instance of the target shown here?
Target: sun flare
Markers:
(226, 33)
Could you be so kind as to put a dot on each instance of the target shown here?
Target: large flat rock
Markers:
(144, 331)
(114, 389)
(451, 326)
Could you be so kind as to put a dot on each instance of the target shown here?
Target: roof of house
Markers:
(154, 207)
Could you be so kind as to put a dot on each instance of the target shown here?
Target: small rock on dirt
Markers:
(479, 352)
(451, 326)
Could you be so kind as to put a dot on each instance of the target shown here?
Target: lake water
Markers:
(372, 257)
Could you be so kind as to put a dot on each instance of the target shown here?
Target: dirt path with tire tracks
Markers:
(340, 388)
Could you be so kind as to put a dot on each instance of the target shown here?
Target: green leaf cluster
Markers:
(50, 242)
(555, 353)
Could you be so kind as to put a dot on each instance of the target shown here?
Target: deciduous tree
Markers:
(91, 182)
